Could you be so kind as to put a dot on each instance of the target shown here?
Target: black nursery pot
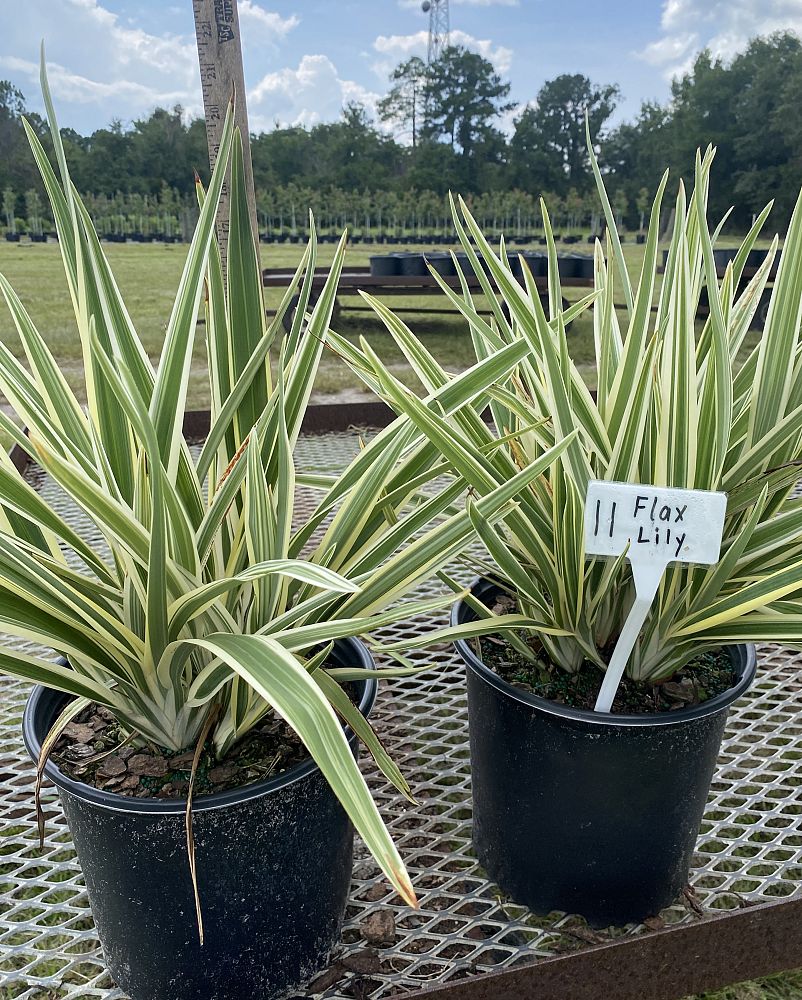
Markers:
(465, 264)
(411, 264)
(567, 265)
(583, 266)
(722, 257)
(756, 257)
(441, 262)
(384, 265)
(537, 262)
(585, 812)
(273, 864)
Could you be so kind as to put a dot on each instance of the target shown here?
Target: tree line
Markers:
(439, 128)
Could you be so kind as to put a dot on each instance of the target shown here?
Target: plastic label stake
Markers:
(654, 525)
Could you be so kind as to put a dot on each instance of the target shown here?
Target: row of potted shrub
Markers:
(220, 606)
(32, 237)
(434, 239)
(411, 264)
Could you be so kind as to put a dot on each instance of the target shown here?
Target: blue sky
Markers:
(112, 59)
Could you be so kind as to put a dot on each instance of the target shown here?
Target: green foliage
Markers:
(549, 137)
(404, 105)
(463, 95)
(217, 597)
(671, 409)
(746, 107)
(33, 211)
(9, 205)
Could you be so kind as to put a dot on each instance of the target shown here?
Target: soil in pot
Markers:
(273, 863)
(585, 812)
(94, 751)
(706, 676)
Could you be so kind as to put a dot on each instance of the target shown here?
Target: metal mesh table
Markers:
(749, 850)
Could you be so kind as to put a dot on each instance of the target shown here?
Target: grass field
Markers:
(787, 987)
(148, 276)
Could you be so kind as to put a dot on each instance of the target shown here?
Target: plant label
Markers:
(653, 525)
(658, 524)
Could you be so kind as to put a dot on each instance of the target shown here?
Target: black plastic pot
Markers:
(567, 265)
(756, 257)
(384, 265)
(12, 237)
(583, 266)
(441, 262)
(515, 263)
(273, 863)
(411, 264)
(538, 263)
(465, 264)
(723, 256)
(586, 812)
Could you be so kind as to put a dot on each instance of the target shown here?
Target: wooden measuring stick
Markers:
(220, 58)
(655, 526)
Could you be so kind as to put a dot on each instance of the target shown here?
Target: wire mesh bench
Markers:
(466, 941)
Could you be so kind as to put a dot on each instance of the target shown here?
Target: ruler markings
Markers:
(218, 41)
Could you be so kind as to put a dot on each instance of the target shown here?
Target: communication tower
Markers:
(438, 27)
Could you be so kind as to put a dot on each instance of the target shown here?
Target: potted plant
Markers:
(597, 813)
(216, 610)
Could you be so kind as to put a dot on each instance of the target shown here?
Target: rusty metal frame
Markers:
(757, 941)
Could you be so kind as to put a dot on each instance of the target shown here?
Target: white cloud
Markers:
(251, 16)
(102, 68)
(395, 48)
(95, 59)
(311, 93)
(723, 26)
(73, 87)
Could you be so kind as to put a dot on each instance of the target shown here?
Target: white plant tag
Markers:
(655, 525)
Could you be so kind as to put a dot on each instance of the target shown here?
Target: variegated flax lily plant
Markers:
(677, 404)
(216, 597)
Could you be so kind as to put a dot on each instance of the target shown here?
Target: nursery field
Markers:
(148, 275)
